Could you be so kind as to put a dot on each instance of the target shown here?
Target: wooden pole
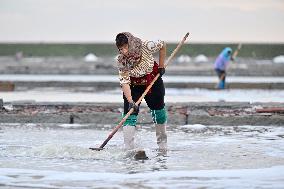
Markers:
(235, 54)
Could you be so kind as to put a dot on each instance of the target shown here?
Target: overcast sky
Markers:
(100, 20)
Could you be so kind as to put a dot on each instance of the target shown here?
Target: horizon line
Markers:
(109, 42)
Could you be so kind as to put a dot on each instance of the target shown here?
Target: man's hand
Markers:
(162, 71)
(134, 106)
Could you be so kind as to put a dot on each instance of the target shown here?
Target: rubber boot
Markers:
(161, 136)
(128, 135)
(222, 85)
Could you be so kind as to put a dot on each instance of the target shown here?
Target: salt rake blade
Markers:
(97, 149)
(140, 155)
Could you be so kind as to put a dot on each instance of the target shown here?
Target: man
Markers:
(137, 68)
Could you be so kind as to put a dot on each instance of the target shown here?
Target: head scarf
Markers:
(225, 53)
(126, 63)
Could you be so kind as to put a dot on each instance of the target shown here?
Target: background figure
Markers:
(220, 66)
(19, 55)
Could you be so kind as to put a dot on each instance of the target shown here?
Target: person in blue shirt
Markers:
(221, 64)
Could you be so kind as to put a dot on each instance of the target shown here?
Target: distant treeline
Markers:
(211, 50)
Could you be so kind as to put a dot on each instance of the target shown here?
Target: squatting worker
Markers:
(137, 68)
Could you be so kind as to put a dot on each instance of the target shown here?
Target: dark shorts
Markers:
(154, 98)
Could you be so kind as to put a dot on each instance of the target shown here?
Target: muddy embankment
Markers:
(206, 113)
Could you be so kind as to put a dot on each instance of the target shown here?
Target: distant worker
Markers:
(221, 64)
(19, 56)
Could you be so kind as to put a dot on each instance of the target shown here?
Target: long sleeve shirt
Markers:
(146, 63)
(223, 59)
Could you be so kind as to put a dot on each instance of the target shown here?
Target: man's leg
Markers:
(160, 119)
(221, 75)
(129, 126)
(223, 81)
(155, 101)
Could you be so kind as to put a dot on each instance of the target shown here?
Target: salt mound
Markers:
(91, 58)
(279, 59)
(183, 58)
(201, 58)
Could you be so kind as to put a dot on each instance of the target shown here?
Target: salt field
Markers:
(114, 78)
(57, 156)
(115, 95)
(220, 124)
(40, 148)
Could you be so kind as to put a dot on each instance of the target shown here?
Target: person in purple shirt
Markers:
(221, 64)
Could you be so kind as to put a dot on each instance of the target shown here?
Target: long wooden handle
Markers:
(237, 51)
(144, 94)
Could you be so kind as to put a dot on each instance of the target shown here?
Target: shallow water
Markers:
(172, 95)
(57, 156)
(114, 78)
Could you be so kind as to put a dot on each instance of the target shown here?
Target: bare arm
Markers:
(127, 92)
(162, 56)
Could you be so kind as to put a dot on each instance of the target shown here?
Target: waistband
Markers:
(147, 79)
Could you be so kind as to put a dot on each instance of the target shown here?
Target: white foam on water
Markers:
(194, 127)
(61, 151)
(73, 125)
